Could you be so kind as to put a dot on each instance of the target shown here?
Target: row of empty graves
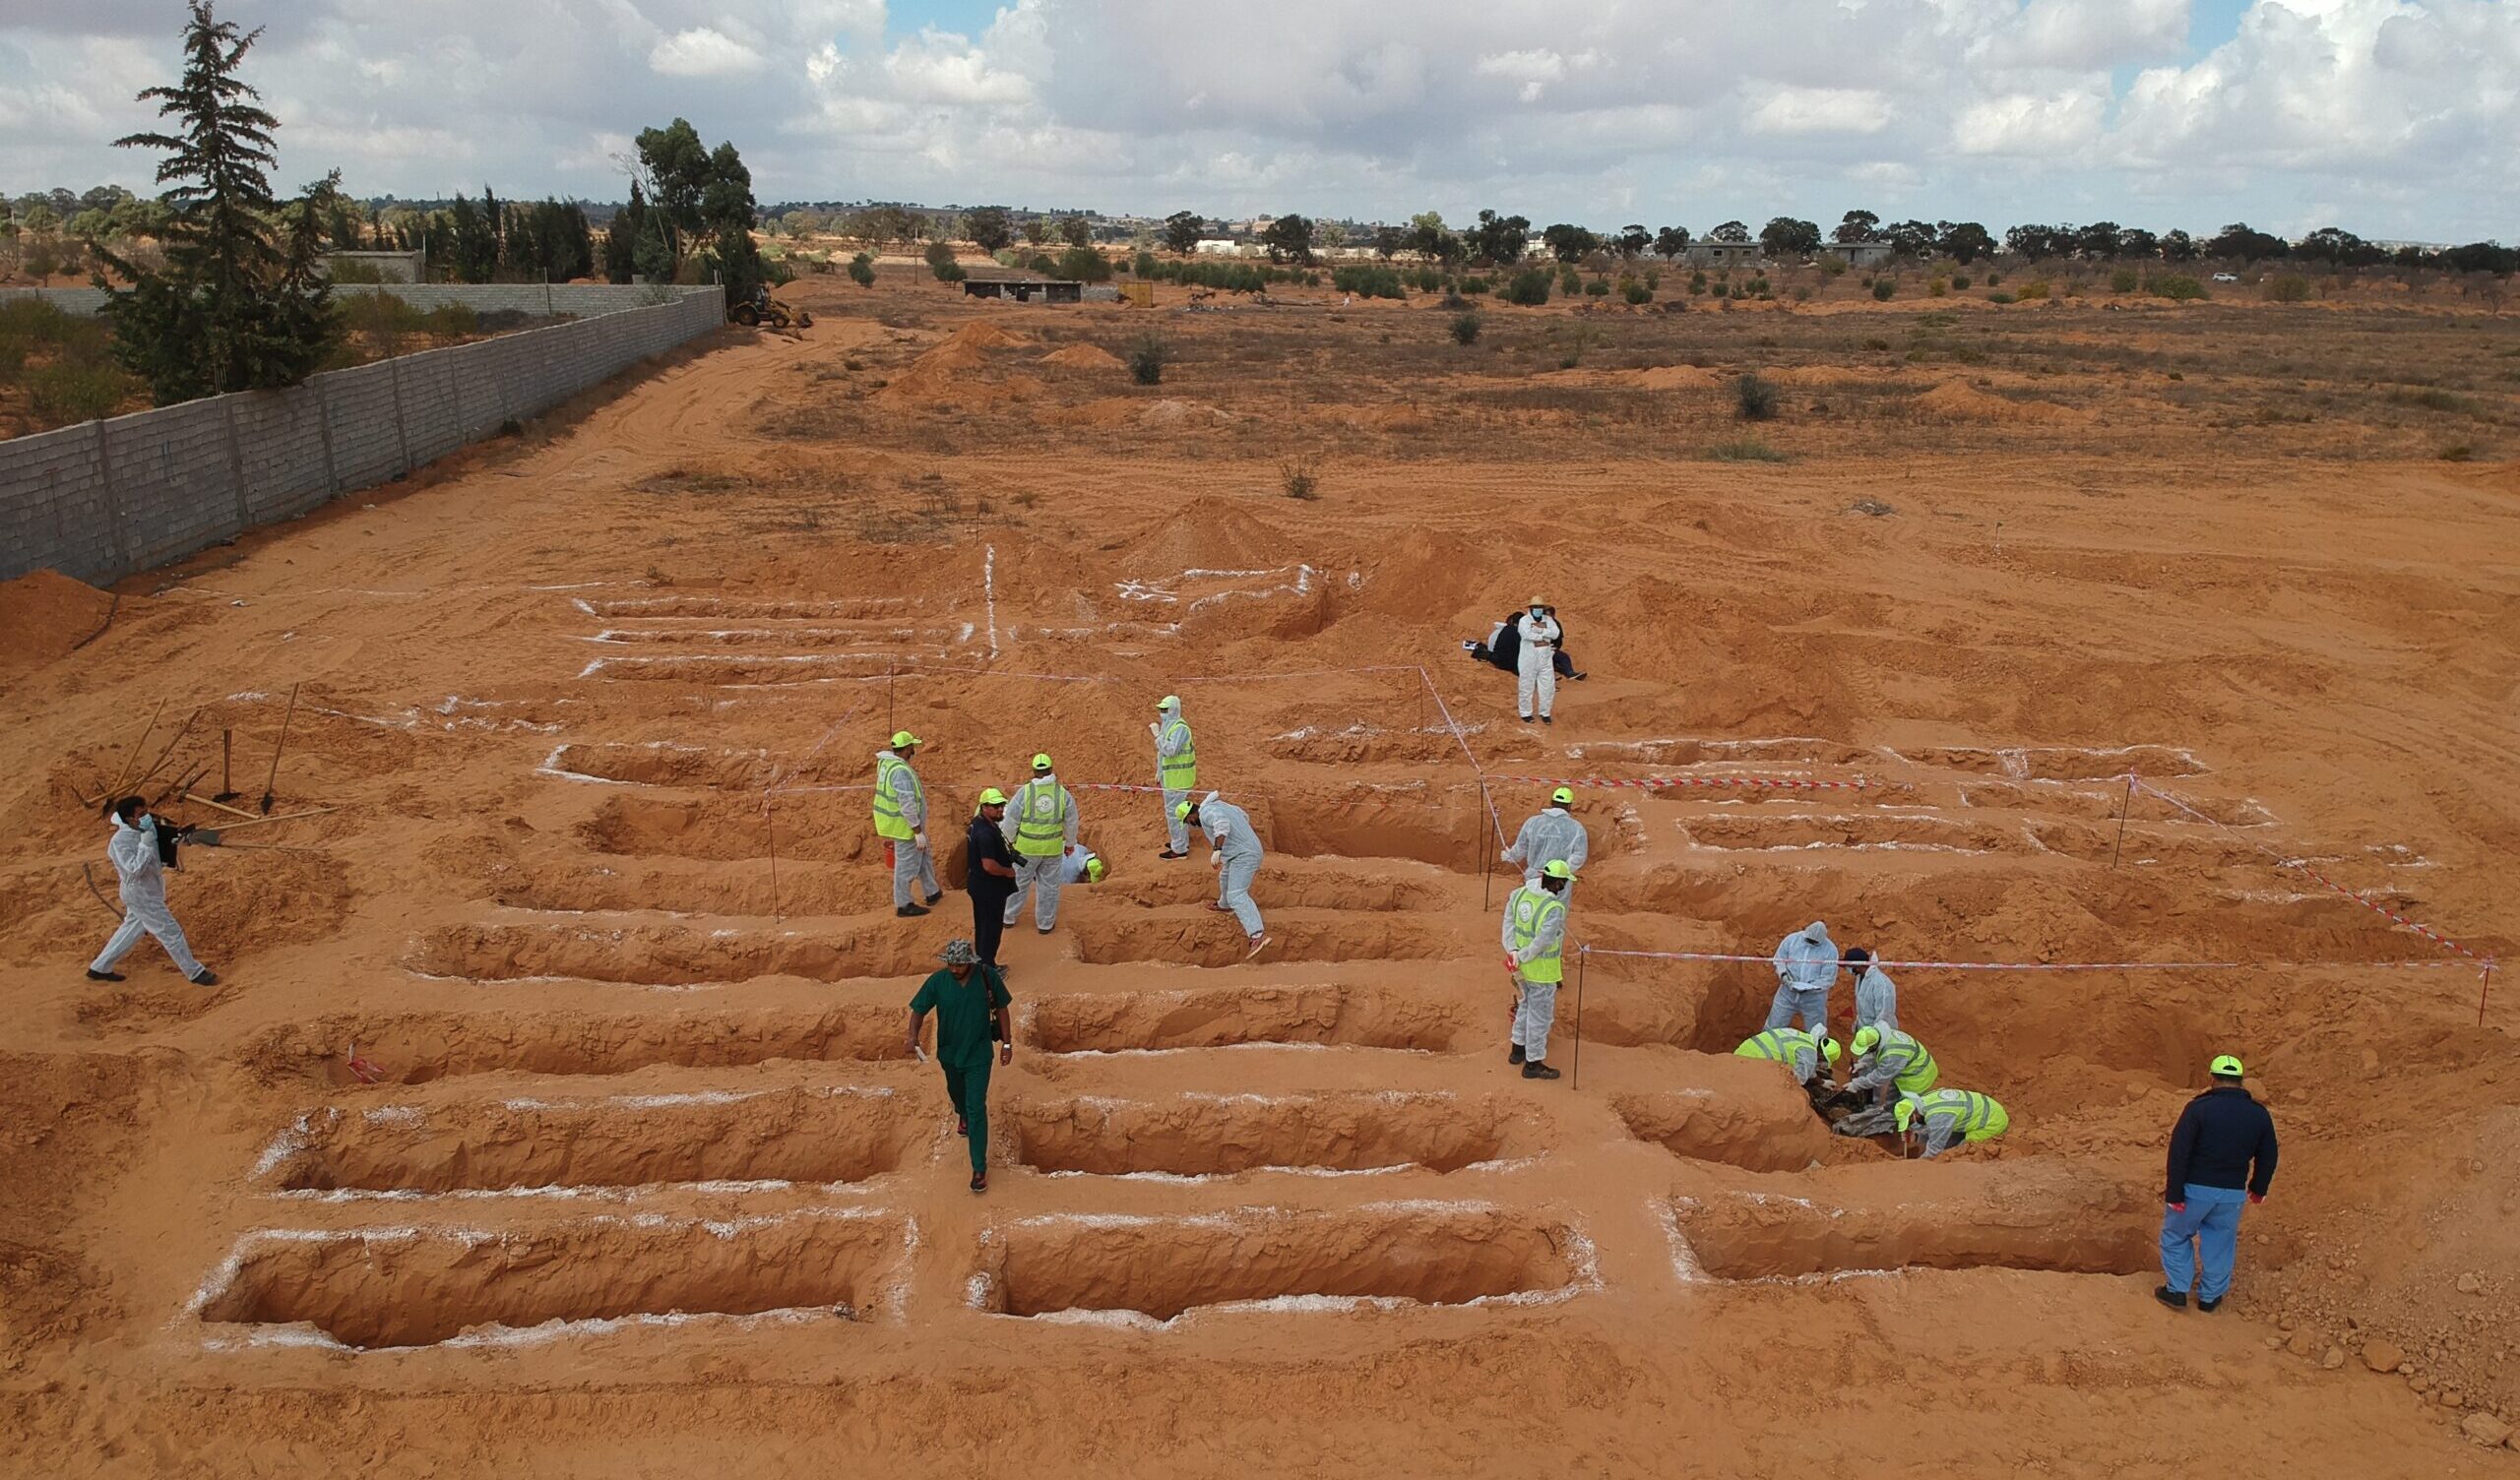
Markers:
(653, 1080)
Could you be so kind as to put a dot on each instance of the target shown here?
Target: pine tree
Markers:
(232, 310)
(621, 237)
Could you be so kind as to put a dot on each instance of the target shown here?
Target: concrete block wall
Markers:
(584, 301)
(103, 499)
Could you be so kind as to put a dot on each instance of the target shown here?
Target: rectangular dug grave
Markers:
(1204, 1135)
(1146, 1271)
(1921, 1216)
(814, 1136)
(403, 1287)
(1312, 1016)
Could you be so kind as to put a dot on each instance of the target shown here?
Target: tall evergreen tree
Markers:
(621, 237)
(232, 309)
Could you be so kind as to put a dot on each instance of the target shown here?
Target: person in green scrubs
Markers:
(969, 1002)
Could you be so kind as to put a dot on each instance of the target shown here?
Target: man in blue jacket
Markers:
(2222, 1135)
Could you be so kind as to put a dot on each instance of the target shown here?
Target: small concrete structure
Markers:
(1722, 254)
(1023, 289)
(391, 267)
(1859, 254)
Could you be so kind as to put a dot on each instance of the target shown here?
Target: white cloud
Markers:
(703, 51)
(2391, 114)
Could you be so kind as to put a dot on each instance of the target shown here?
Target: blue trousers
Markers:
(2212, 1223)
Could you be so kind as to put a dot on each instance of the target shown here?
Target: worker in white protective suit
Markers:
(1535, 942)
(1084, 866)
(1040, 827)
(1551, 835)
(1535, 667)
(1806, 967)
(901, 820)
(1176, 772)
(1876, 995)
(1236, 854)
(141, 865)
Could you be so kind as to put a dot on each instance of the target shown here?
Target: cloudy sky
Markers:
(2394, 118)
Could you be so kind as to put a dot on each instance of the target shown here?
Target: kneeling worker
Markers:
(1885, 1058)
(1535, 941)
(1948, 1115)
(1235, 853)
(1804, 1054)
(969, 1002)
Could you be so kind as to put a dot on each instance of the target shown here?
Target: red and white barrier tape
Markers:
(1770, 959)
(2280, 861)
(1780, 783)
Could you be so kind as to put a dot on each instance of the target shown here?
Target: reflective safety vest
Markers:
(889, 821)
(1977, 1117)
(1921, 1071)
(1040, 818)
(1778, 1045)
(1181, 772)
(1532, 909)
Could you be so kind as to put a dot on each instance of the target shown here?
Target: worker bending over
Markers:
(1806, 967)
(901, 820)
(1234, 852)
(1535, 941)
(1551, 835)
(1535, 672)
(1888, 1061)
(140, 854)
(1041, 826)
(1177, 771)
(1944, 1116)
(1800, 1050)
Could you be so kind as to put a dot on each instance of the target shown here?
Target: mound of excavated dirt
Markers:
(43, 615)
(1207, 533)
(1084, 358)
(1179, 414)
(1669, 377)
(1957, 401)
(986, 335)
(1828, 375)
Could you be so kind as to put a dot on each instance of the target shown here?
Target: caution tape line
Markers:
(1720, 955)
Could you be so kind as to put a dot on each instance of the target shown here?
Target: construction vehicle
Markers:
(762, 311)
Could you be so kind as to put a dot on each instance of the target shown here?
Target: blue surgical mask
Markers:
(144, 821)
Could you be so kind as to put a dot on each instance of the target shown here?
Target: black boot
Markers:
(908, 911)
(96, 975)
(1535, 1069)
(2177, 1300)
(1516, 1057)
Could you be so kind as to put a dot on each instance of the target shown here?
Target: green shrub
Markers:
(949, 272)
(2123, 280)
(1636, 293)
(453, 319)
(1754, 399)
(1597, 288)
(2000, 297)
(1959, 283)
(1471, 287)
(76, 390)
(1876, 343)
(2286, 287)
(1147, 362)
(2462, 453)
(1528, 287)
(1368, 281)
(2035, 288)
(862, 270)
(1937, 288)
(2430, 399)
(1144, 266)
(1744, 449)
(1882, 288)
(2177, 289)
(1300, 479)
(1994, 277)
(1465, 327)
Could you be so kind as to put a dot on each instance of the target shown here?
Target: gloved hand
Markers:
(1216, 859)
(920, 839)
(2255, 1199)
(2175, 1207)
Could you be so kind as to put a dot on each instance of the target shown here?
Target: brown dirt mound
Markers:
(1207, 533)
(44, 614)
(1829, 375)
(986, 335)
(1670, 377)
(1182, 413)
(1084, 358)
(1957, 401)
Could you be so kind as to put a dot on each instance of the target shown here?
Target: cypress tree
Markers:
(232, 309)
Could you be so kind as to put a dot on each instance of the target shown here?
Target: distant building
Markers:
(1023, 289)
(391, 267)
(1722, 254)
(1219, 246)
(1860, 254)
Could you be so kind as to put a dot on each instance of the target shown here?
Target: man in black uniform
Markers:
(2220, 1133)
(990, 876)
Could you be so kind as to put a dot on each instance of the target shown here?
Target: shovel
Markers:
(277, 750)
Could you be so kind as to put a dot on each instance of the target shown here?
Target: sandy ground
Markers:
(645, 1184)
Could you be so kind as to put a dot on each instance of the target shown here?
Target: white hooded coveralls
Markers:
(134, 851)
(1536, 666)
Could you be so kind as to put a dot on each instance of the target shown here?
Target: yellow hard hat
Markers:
(904, 737)
(2226, 1065)
(1562, 796)
(1041, 762)
(1828, 1049)
(1902, 1113)
(992, 797)
(1556, 867)
(1094, 869)
(1865, 1037)
(1182, 811)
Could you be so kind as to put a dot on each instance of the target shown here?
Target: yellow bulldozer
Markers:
(762, 311)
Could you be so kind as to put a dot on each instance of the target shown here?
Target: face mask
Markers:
(144, 820)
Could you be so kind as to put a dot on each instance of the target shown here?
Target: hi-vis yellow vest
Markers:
(1181, 771)
(889, 821)
(1531, 910)
(1040, 818)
